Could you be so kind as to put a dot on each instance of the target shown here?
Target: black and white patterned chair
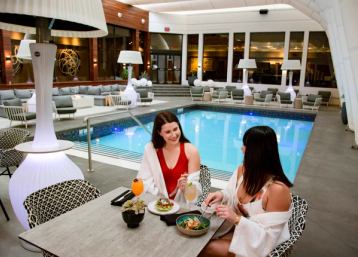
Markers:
(50, 202)
(9, 157)
(296, 226)
(205, 183)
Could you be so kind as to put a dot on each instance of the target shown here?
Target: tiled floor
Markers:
(327, 179)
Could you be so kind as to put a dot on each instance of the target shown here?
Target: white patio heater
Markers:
(246, 64)
(130, 57)
(46, 163)
(290, 65)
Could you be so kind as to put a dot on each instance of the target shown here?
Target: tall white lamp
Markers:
(46, 163)
(130, 57)
(291, 65)
(246, 64)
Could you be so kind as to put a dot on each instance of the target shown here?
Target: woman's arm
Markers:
(277, 198)
(193, 156)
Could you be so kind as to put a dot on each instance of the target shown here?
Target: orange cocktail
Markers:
(137, 186)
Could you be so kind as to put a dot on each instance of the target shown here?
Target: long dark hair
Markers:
(261, 159)
(161, 119)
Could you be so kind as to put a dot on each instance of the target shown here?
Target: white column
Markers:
(286, 49)
(247, 45)
(230, 57)
(184, 58)
(200, 56)
(304, 61)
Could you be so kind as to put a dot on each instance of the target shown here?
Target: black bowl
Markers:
(132, 219)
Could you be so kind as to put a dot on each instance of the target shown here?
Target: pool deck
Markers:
(327, 178)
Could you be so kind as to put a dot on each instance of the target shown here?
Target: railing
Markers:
(88, 119)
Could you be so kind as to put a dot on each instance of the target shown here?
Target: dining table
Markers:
(97, 229)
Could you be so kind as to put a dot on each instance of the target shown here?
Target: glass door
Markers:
(166, 68)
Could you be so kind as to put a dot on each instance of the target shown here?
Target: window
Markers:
(109, 48)
(295, 53)
(239, 47)
(267, 49)
(319, 69)
(192, 55)
(215, 54)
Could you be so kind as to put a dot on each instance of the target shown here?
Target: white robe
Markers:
(259, 234)
(152, 176)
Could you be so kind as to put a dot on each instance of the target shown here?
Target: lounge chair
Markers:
(326, 97)
(311, 101)
(264, 98)
(63, 105)
(284, 99)
(144, 96)
(219, 95)
(197, 93)
(120, 101)
(274, 92)
(237, 95)
(16, 112)
(229, 89)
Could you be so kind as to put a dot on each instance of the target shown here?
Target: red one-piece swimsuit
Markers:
(171, 176)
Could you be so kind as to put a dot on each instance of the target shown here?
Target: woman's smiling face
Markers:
(171, 133)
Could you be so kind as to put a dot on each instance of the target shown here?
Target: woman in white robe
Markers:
(256, 204)
(178, 156)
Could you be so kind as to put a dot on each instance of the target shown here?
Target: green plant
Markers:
(134, 205)
(124, 74)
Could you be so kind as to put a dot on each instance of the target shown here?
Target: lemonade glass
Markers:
(190, 193)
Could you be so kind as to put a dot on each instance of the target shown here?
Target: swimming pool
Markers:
(218, 137)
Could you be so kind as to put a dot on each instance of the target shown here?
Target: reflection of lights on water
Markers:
(251, 114)
(129, 132)
(278, 138)
(97, 140)
(197, 128)
(243, 121)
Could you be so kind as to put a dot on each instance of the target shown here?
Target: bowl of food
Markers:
(192, 224)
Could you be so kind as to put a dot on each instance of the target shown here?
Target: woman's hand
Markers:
(182, 181)
(226, 212)
(213, 198)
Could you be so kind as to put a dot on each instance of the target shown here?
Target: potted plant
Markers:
(133, 212)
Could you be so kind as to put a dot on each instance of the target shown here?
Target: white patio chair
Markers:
(17, 113)
(121, 102)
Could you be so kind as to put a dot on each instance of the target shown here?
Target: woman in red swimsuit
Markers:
(171, 152)
(177, 156)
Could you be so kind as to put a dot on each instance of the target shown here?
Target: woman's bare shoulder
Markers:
(278, 197)
(240, 170)
(190, 149)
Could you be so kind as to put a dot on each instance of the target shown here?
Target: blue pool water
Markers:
(218, 137)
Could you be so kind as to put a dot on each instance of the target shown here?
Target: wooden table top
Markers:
(97, 229)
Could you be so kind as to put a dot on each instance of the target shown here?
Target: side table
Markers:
(297, 103)
(249, 99)
(207, 97)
